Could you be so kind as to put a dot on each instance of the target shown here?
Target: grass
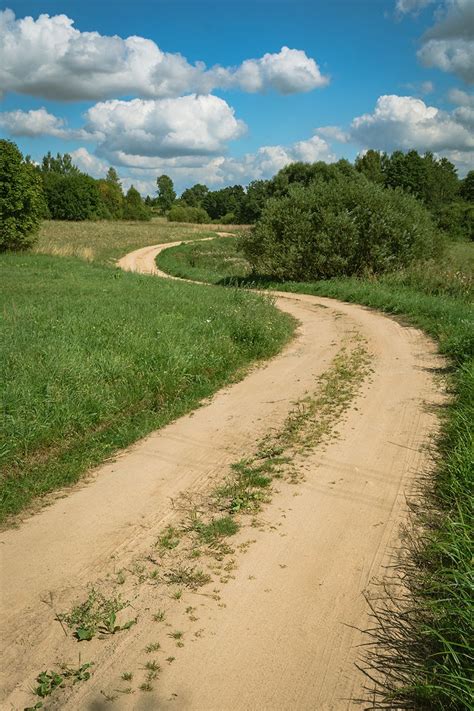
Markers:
(93, 358)
(207, 261)
(106, 241)
(422, 652)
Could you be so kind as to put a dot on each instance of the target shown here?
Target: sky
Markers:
(230, 91)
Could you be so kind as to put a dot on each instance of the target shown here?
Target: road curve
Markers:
(284, 633)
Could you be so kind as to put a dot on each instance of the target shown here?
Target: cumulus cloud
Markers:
(461, 98)
(184, 126)
(449, 44)
(89, 163)
(214, 171)
(49, 57)
(334, 133)
(39, 122)
(403, 122)
(33, 123)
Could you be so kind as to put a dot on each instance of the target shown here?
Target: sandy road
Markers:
(282, 634)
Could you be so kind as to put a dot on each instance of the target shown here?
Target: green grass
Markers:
(207, 261)
(423, 640)
(93, 358)
(106, 241)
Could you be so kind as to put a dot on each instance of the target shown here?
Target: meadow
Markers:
(106, 241)
(94, 358)
(422, 642)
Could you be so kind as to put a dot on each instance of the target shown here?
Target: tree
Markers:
(73, 197)
(134, 207)
(467, 187)
(112, 177)
(371, 164)
(166, 193)
(111, 195)
(21, 199)
(257, 194)
(62, 164)
(194, 197)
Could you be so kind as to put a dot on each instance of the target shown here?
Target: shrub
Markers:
(21, 199)
(347, 226)
(182, 213)
(72, 197)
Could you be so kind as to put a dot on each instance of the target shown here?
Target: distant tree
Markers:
(73, 197)
(113, 178)
(21, 199)
(111, 195)
(226, 201)
(62, 164)
(194, 197)
(166, 193)
(134, 207)
(467, 187)
(371, 164)
(256, 196)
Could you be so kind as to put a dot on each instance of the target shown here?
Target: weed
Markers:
(159, 616)
(127, 676)
(96, 615)
(146, 686)
(153, 647)
(169, 539)
(48, 682)
(189, 577)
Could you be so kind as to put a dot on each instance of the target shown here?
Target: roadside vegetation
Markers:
(94, 358)
(423, 635)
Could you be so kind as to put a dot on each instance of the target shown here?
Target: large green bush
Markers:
(182, 213)
(21, 199)
(347, 226)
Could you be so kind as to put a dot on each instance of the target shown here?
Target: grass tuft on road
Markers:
(93, 358)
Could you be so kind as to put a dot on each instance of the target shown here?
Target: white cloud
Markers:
(449, 44)
(48, 57)
(403, 122)
(89, 163)
(288, 72)
(461, 98)
(334, 133)
(404, 7)
(39, 122)
(214, 171)
(184, 126)
(32, 123)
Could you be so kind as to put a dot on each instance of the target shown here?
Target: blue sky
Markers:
(383, 73)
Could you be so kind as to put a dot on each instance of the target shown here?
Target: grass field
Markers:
(425, 650)
(93, 358)
(106, 241)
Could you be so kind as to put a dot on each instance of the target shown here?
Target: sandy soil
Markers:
(280, 632)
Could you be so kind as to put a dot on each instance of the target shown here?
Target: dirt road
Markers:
(275, 631)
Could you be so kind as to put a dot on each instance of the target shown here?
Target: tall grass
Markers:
(93, 358)
(105, 241)
(421, 650)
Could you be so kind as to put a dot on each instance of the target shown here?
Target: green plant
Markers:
(340, 228)
(96, 615)
(183, 213)
(21, 199)
(48, 682)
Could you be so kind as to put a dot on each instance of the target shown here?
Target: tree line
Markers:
(57, 189)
